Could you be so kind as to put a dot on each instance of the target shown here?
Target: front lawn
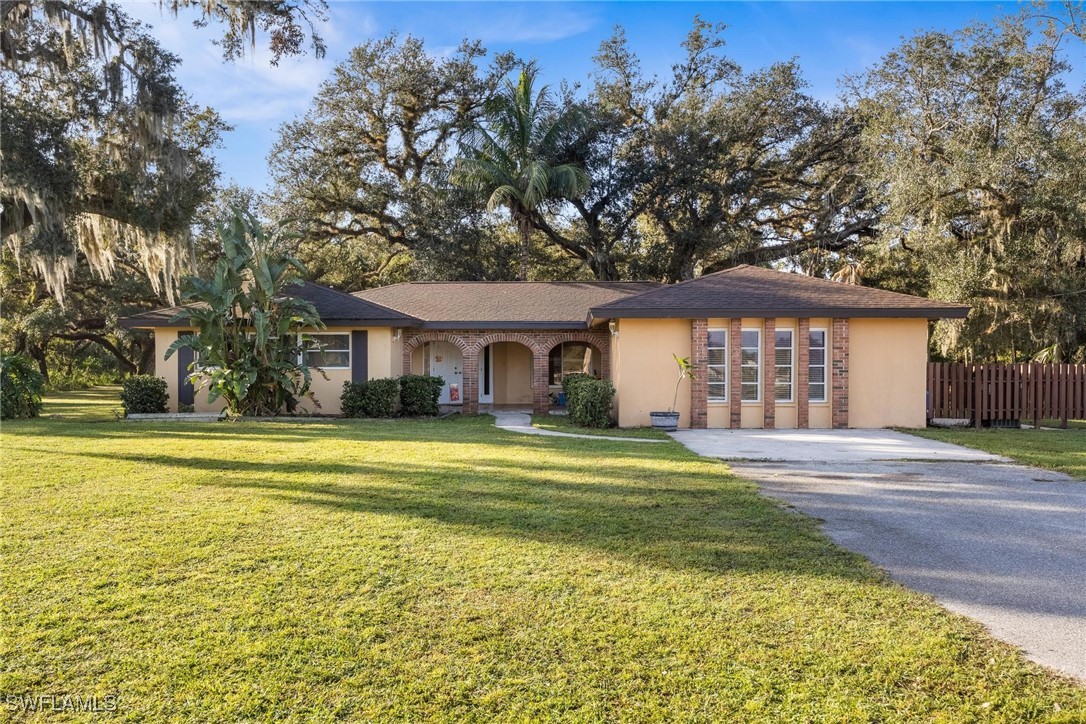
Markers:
(561, 423)
(448, 570)
(1060, 450)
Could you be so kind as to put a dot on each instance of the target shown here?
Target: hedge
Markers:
(144, 394)
(589, 402)
(570, 381)
(373, 398)
(419, 395)
(21, 387)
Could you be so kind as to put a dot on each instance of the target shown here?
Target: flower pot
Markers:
(666, 421)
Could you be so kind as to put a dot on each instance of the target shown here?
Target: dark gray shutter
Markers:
(359, 355)
(186, 395)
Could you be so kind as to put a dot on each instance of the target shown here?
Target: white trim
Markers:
(791, 365)
(724, 366)
(488, 354)
(759, 366)
(825, 381)
(349, 350)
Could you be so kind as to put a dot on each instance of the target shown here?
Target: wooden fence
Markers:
(1001, 394)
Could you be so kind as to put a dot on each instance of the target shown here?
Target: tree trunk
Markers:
(525, 225)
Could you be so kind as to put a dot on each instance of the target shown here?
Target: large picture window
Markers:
(750, 362)
(782, 376)
(327, 351)
(816, 374)
(570, 358)
(718, 365)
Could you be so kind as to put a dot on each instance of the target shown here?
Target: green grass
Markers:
(1060, 450)
(450, 571)
(561, 423)
(101, 404)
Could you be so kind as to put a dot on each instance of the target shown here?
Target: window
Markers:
(718, 365)
(782, 379)
(570, 358)
(817, 367)
(750, 361)
(328, 351)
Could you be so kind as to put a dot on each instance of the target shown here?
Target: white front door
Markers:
(486, 374)
(446, 362)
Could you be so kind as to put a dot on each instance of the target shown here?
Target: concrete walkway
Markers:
(823, 445)
(1003, 544)
(522, 423)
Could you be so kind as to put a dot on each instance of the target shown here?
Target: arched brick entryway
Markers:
(472, 342)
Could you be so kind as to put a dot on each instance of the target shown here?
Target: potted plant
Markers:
(669, 421)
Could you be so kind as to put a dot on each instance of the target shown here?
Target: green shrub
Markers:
(570, 381)
(350, 400)
(20, 388)
(375, 398)
(589, 402)
(418, 395)
(144, 394)
(185, 407)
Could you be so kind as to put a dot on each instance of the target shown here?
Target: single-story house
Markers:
(769, 349)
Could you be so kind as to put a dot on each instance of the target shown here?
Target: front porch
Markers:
(504, 370)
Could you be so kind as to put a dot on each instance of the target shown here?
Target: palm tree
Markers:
(510, 158)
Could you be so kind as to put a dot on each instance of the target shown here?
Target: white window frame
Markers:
(757, 366)
(312, 335)
(723, 367)
(825, 380)
(791, 365)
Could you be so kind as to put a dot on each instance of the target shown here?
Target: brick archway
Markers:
(540, 390)
(472, 341)
(415, 341)
(598, 341)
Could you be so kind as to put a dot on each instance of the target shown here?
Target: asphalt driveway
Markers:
(1004, 544)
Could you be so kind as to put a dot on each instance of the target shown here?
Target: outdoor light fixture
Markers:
(613, 326)
(396, 334)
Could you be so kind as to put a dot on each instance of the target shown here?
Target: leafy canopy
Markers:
(248, 326)
(512, 157)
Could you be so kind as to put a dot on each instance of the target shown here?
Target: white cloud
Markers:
(538, 23)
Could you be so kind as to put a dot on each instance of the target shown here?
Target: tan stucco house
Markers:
(770, 349)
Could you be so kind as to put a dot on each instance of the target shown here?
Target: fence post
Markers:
(1065, 396)
(977, 393)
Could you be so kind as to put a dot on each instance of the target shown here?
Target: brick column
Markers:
(769, 374)
(699, 386)
(840, 373)
(540, 390)
(803, 371)
(735, 361)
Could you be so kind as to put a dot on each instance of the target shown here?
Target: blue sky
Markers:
(830, 39)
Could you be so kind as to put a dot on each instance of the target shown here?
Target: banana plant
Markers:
(247, 346)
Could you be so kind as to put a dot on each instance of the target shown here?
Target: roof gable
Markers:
(748, 291)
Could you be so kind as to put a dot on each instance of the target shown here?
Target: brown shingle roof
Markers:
(335, 308)
(750, 291)
(504, 305)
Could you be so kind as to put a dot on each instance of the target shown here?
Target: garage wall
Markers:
(887, 383)
(644, 371)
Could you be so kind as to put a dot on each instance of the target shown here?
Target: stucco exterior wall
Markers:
(166, 368)
(383, 359)
(512, 374)
(644, 371)
(887, 372)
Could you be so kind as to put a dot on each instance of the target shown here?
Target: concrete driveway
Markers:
(1004, 544)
